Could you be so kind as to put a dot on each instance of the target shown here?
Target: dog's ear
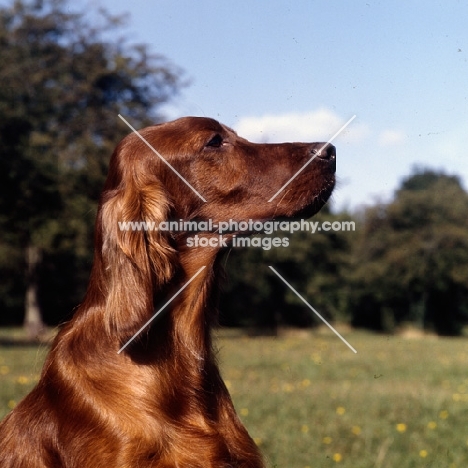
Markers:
(137, 259)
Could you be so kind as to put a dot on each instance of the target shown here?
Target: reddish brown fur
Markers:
(161, 403)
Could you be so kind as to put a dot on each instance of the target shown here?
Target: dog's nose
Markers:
(324, 151)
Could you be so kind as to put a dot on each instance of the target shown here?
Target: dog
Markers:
(114, 395)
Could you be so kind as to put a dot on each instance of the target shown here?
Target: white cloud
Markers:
(391, 137)
(318, 125)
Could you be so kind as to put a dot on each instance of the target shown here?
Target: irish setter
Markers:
(160, 402)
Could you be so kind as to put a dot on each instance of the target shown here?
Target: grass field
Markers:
(309, 401)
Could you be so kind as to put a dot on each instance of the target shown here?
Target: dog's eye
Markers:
(215, 142)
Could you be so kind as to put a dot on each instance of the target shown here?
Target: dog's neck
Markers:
(194, 310)
(180, 338)
(185, 309)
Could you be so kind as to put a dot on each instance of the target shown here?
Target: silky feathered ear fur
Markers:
(136, 263)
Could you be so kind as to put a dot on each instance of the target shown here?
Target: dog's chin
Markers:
(309, 211)
(317, 203)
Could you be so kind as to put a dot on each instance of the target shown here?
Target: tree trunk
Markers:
(33, 323)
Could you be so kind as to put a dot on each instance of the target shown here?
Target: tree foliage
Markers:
(63, 85)
(411, 262)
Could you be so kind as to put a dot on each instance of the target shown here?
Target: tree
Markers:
(62, 88)
(411, 263)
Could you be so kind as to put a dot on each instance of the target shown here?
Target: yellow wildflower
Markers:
(401, 427)
(443, 414)
(337, 457)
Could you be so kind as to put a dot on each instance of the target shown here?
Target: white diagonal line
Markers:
(313, 157)
(161, 309)
(160, 157)
(313, 310)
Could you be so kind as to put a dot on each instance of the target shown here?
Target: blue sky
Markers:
(282, 70)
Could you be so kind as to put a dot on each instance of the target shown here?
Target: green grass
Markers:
(308, 401)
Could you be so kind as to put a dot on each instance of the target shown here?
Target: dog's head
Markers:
(237, 178)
